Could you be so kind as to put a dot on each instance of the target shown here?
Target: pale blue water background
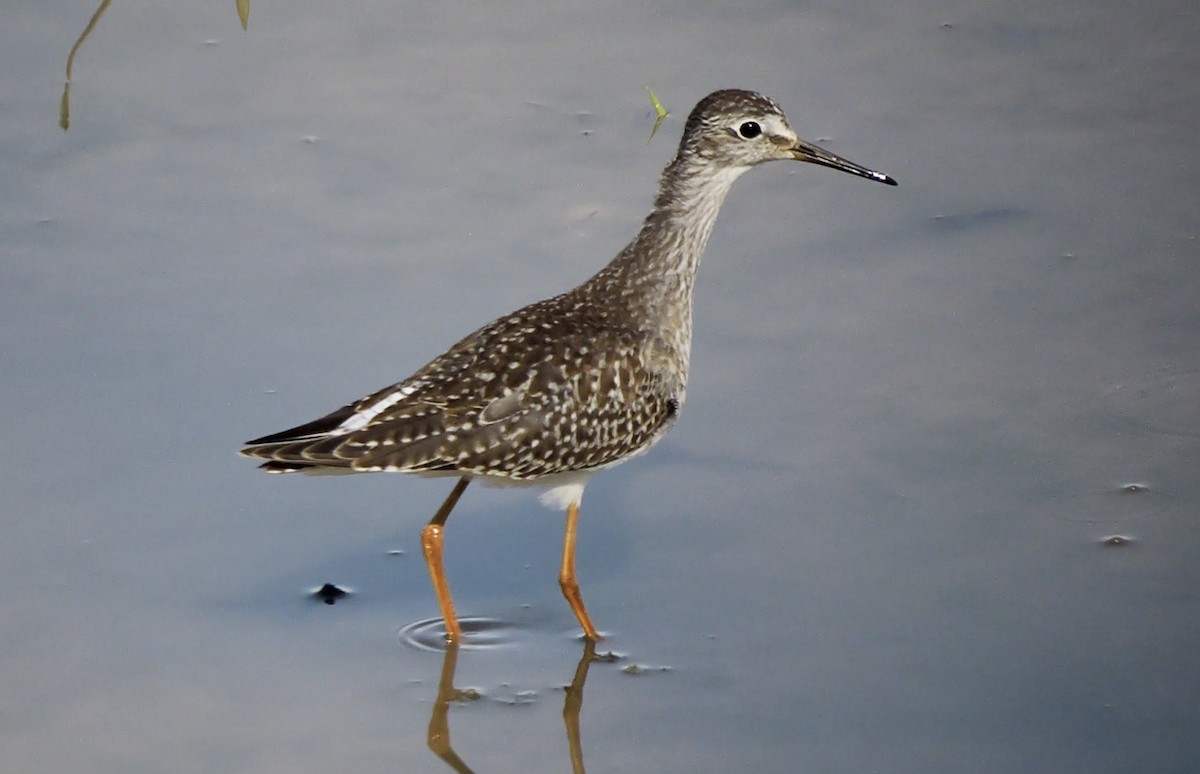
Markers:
(874, 542)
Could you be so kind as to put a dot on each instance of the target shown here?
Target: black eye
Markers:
(749, 130)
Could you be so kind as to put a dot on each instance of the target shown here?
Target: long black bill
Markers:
(806, 151)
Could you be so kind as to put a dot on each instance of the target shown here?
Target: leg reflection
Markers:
(574, 703)
(438, 737)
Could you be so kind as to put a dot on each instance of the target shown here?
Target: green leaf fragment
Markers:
(658, 109)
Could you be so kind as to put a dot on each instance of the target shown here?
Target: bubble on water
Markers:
(1112, 504)
(508, 695)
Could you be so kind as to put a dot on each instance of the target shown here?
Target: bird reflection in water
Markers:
(438, 737)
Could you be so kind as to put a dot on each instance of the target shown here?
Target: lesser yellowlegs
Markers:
(562, 388)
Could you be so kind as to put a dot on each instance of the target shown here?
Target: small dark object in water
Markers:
(329, 593)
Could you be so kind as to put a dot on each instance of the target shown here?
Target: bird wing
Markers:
(546, 389)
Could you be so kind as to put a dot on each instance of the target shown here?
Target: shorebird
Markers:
(563, 388)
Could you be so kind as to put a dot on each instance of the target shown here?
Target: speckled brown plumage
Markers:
(557, 386)
(569, 385)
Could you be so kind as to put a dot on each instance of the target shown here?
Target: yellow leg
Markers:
(566, 577)
(431, 545)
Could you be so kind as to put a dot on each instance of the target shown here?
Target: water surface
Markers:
(931, 506)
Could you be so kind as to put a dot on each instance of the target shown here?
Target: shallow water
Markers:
(931, 506)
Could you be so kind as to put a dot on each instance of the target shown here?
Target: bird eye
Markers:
(749, 130)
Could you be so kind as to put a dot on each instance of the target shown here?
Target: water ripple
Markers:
(478, 634)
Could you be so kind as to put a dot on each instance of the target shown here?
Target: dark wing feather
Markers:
(318, 428)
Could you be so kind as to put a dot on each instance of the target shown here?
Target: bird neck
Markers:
(655, 273)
